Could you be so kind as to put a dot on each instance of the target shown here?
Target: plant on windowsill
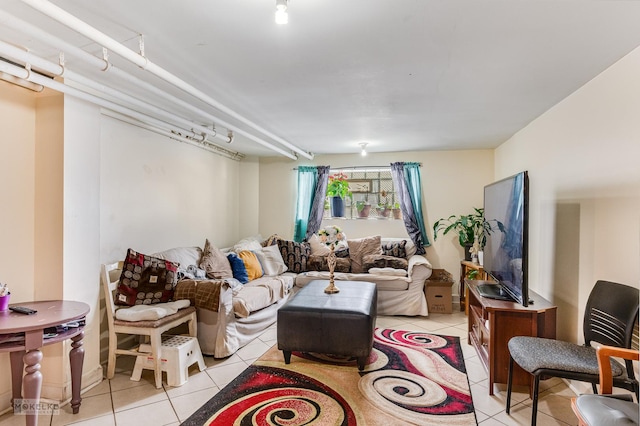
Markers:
(338, 190)
(363, 208)
(472, 229)
(397, 213)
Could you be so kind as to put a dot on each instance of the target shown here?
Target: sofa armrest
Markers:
(419, 268)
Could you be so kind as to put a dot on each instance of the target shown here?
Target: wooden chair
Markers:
(604, 409)
(110, 276)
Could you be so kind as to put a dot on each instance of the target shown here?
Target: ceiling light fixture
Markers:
(282, 17)
(364, 150)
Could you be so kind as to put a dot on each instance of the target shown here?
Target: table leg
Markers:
(32, 382)
(17, 370)
(76, 359)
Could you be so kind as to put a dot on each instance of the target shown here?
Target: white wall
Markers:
(452, 183)
(156, 193)
(582, 156)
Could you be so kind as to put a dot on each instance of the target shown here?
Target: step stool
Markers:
(177, 354)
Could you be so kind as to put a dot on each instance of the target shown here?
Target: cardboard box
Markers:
(437, 290)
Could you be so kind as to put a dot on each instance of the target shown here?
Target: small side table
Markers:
(465, 267)
(24, 335)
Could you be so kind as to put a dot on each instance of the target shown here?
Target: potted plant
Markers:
(397, 213)
(363, 208)
(383, 209)
(337, 190)
(471, 228)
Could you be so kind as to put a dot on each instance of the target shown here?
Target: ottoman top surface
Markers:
(356, 297)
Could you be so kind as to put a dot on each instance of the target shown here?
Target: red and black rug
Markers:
(411, 378)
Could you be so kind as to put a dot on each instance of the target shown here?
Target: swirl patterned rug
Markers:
(411, 378)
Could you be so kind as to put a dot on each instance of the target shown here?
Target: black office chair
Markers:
(610, 318)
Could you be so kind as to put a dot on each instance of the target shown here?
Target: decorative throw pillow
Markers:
(319, 263)
(395, 248)
(342, 252)
(271, 261)
(238, 268)
(382, 261)
(249, 243)
(251, 263)
(146, 280)
(318, 248)
(272, 240)
(359, 248)
(214, 262)
(295, 255)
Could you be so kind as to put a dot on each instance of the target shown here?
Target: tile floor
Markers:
(124, 402)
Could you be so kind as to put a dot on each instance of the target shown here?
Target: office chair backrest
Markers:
(611, 316)
(611, 313)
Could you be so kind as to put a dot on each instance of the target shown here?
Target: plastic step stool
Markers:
(177, 354)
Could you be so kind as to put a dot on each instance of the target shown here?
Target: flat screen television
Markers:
(505, 253)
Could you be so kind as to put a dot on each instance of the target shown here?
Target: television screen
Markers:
(505, 253)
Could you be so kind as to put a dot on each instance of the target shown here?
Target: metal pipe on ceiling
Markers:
(204, 144)
(104, 40)
(25, 27)
(49, 67)
(63, 88)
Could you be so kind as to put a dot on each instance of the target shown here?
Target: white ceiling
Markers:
(402, 75)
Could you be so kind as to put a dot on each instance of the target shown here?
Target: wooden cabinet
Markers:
(467, 266)
(491, 323)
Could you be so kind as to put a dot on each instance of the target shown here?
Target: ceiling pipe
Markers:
(204, 144)
(63, 88)
(29, 29)
(99, 37)
(55, 69)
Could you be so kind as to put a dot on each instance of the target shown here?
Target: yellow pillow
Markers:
(251, 262)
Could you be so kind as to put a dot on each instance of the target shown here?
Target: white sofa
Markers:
(230, 316)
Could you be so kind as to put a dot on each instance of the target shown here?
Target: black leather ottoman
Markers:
(338, 324)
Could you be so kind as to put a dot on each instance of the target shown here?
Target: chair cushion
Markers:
(604, 410)
(535, 353)
(157, 323)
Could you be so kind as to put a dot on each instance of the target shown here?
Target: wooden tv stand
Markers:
(491, 323)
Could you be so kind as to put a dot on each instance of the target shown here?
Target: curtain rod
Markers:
(360, 167)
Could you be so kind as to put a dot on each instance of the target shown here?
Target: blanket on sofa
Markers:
(203, 294)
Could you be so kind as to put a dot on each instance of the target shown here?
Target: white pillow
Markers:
(185, 256)
(318, 248)
(271, 260)
(250, 243)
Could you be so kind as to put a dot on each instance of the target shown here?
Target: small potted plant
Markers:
(338, 190)
(397, 213)
(471, 228)
(363, 208)
(383, 209)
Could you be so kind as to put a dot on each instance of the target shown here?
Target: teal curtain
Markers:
(408, 185)
(312, 186)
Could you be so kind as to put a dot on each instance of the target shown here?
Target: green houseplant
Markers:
(470, 228)
(338, 190)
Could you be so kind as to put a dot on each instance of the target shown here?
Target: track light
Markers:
(282, 17)
(364, 151)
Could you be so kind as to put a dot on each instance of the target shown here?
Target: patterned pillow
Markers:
(319, 263)
(146, 280)
(295, 255)
(395, 248)
(382, 261)
(343, 252)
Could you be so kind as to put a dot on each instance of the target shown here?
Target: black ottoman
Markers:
(338, 324)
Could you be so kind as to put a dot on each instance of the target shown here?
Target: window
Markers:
(369, 186)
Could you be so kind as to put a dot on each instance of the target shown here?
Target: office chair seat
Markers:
(535, 353)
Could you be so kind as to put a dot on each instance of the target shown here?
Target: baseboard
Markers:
(62, 394)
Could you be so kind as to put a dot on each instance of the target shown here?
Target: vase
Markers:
(337, 207)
